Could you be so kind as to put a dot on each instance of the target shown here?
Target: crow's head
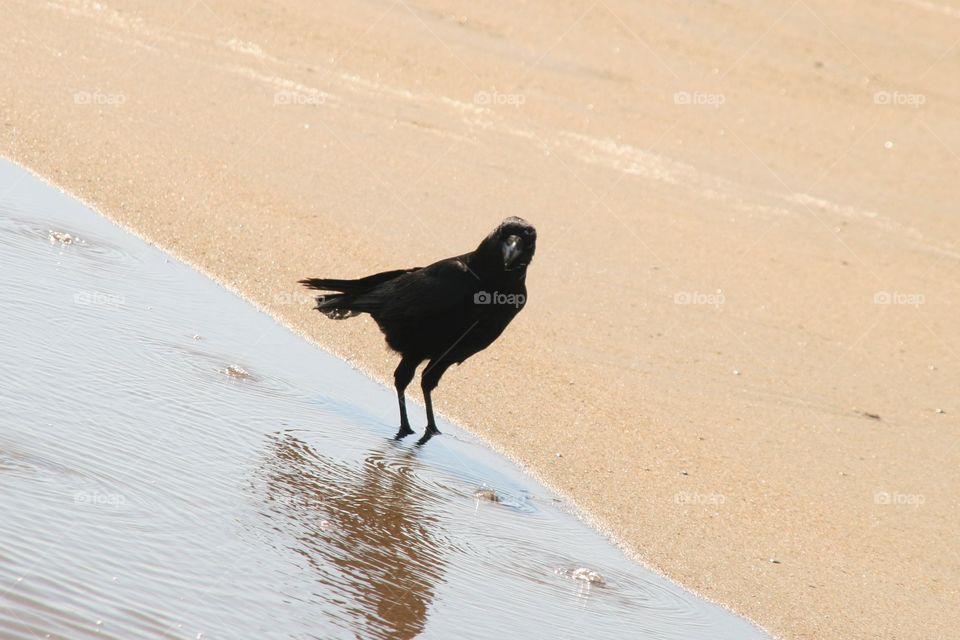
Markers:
(513, 242)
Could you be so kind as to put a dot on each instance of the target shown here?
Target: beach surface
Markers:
(740, 353)
(172, 465)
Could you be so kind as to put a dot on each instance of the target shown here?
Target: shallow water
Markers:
(175, 464)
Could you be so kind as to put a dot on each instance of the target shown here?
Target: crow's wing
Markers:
(427, 292)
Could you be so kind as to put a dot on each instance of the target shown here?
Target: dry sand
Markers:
(748, 242)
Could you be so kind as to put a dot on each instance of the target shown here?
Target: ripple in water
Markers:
(99, 255)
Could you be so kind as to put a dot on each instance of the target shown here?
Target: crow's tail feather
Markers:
(360, 285)
(349, 300)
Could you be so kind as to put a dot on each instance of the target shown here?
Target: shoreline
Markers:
(571, 506)
(290, 446)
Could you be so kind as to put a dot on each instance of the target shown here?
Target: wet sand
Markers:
(741, 333)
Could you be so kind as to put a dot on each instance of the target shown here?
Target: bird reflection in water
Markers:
(366, 531)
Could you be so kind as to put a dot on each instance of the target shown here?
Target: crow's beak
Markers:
(512, 250)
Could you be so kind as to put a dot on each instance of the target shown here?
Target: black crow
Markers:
(443, 313)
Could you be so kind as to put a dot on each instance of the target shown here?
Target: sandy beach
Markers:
(740, 353)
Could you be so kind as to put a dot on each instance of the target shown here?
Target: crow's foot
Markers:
(429, 433)
(404, 431)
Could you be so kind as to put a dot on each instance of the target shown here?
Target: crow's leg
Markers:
(428, 382)
(401, 378)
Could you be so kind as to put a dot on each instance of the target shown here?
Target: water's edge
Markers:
(569, 505)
